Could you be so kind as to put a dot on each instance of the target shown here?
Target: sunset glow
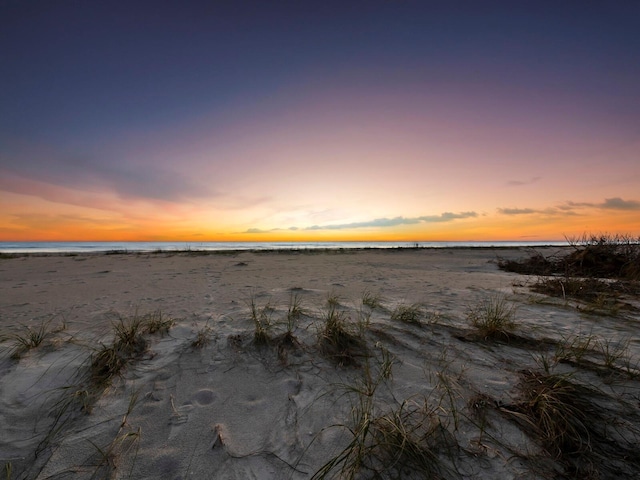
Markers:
(285, 121)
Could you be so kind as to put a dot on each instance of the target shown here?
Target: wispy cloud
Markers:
(517, 211)
(617, 203)
(569, 207)
(395, 221)
(381, 222)
(148, 181)
(520, 183)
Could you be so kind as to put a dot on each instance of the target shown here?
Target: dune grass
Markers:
(287, 341)
(109, 361)
(493, 317)
(129, 343)
(402, 441)
(412, 314)
(203, 338)
(125, 441)
(28, 339)
(339, 341)
(371, 300)
(261, 317)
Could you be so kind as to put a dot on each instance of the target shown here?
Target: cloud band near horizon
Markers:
(380, 222)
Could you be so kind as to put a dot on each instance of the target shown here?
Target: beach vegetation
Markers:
(574, 348)
(408, 439)
(129, 343)
(295, 311)
(157, 322)
(412, 314)
(287, 341)
(29, 338)
(333, 299)
(371, 300)
(594, 256)
(613, 351)
(563, 416)
(261, 317)
(339, 341)
(203, 338)
(125, 441)
(493, 317)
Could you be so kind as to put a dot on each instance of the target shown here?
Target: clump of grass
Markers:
(295, 311)
(29, 339)
(574, 426)
(371, 300)
(558, 411)
(333, 299)
(157, 322)
(288, 341)
(110, 360)
(412, 314)
(203, 338)
(409, 438)
(574, 349)
(612, 351)
(493, 317)
(261, 321)
(337, 341)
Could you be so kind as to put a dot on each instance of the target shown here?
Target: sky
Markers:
(239, 120)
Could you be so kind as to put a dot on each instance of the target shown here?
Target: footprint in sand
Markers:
(180, 415)
(204, 397)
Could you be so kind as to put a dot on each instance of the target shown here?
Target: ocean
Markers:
(106, 247)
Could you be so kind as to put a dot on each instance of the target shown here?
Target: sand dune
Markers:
(206, 400)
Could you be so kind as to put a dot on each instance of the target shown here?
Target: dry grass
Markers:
(568, 418)
(29, 339)
(371, 300)
(261, 317)
(594, 256)
(125, 441)
(339, 341)
(558, 410)
(203, 338)
(129, 343)
(493, 317)
(412, 314)
(403, 442)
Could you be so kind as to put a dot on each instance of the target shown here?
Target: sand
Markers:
(231, 408)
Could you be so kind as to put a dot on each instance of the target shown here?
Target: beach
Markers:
(273, 365)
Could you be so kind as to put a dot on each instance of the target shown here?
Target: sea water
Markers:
(102, 247)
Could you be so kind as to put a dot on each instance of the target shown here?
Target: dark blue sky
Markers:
(80, 66)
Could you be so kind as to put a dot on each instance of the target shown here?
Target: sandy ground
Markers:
(233, 409)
